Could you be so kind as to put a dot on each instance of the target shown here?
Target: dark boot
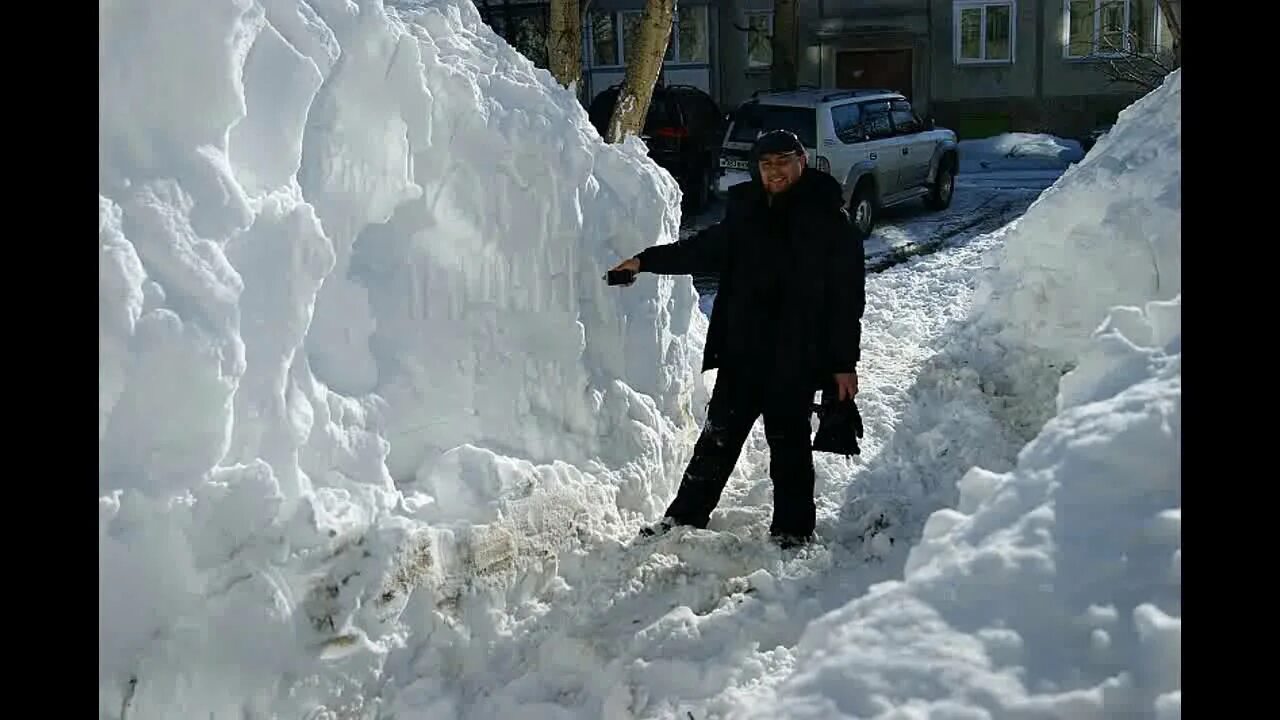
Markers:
(662, 527)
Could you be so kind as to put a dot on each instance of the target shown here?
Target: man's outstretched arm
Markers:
(702, 252)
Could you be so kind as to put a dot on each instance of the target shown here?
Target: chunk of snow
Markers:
(1108, 233)
(354, 342)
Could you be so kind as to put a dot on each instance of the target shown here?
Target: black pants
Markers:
(735, 405)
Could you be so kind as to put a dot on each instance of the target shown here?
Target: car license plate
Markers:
(733, 163)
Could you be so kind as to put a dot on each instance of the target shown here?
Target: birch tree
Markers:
(564, 43)
(643, 65)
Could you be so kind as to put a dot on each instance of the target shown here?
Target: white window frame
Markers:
(957, 8)
(674, 43)
(746, 37)
(1093, 53)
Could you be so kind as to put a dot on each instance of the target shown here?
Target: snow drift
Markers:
(353, 342)
(1050, 589)
(1018, 151)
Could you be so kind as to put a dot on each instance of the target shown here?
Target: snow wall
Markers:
(354, 341)
(1052, 589)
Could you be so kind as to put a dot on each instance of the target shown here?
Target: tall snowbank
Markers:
(353, 342)
(1050, 589)
(1108, 233)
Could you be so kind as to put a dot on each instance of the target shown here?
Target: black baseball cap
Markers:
(776, 141)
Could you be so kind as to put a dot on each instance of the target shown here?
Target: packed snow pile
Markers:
(1108, 233)
(1052, 588)
(1018, 151)
(354, 341)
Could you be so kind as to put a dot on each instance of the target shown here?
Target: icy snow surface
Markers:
(374, 437)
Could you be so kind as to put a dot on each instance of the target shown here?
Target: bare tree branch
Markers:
(1134, 62)
(739, 28)
(1145, 70)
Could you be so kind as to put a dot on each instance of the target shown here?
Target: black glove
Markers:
(839, 426)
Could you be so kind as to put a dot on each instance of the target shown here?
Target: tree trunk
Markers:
(564, 43)
(642, 70)
(1172, 11)
(786, 54)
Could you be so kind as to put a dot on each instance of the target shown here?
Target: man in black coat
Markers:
(786, 321)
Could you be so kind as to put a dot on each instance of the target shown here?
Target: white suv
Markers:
(869, 140)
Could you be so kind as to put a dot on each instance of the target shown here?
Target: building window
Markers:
(604, 38)
(984, 30)
(614, 35)
(691, 34)
(1109, 28)
(759, 27)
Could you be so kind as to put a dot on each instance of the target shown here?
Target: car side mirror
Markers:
(929, 123)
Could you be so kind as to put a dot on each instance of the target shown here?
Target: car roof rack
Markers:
(826, 96)
(859, 92)
(797, 88)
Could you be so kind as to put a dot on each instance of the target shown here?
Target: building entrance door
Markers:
(887, 69)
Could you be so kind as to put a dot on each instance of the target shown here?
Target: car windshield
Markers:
(753, 119)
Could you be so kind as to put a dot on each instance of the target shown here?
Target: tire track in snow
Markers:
(989, 215)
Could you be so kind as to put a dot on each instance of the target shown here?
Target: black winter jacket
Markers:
(822, 288)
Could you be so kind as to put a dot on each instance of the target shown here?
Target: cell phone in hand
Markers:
(619, 277)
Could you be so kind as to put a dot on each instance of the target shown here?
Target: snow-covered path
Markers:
(692, 623)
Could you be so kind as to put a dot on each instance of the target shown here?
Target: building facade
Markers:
(987, 66)
(608, 31)
(610, 28)
(978, 66)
